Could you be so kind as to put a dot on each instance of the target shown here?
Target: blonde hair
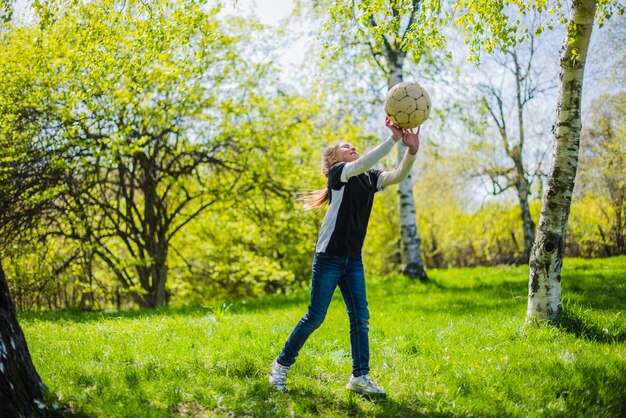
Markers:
(318, 198)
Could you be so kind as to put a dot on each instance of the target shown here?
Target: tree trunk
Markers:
(159, 277)
(528, 225)
(156, 245)
(546, 260)
(413, 265)
(20, 384)
(620, 226)
(522, 185)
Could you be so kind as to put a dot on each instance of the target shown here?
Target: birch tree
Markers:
(487, 25)
(21, 389)
(394, 33)
(546, 261)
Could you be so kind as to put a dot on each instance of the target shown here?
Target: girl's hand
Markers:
(412, 140)
(396, 133)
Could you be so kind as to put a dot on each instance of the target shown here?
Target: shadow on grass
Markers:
(596, 291)
(265, 303)
(70, 315)
(315, 402)
(586, 284)
(393, 408)
(575, 321)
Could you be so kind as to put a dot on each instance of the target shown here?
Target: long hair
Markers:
(318, 198)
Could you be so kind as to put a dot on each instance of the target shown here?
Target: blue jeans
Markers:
(328, 272)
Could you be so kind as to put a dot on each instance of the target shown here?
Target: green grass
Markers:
(455, 347)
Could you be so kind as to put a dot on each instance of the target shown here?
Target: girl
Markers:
(350, 193)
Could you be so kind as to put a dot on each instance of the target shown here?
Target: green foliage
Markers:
(49, 273)
(91, 92)
(415, 28)
(145, 117)
(456, 347)
(592, 228)
(599, 218)
(491, 25)
(457, 226)
(251, 259)
(374, 38)
(121, 102)
(6, 11)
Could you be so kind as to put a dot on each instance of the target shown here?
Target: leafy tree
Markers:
(148, 112)
(271, 238)
(486, 23)
(391, 33)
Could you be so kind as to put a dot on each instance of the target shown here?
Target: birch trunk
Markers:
(413, 265)
(546, 260)
(528, 225)
(521, 184)
(20, 385)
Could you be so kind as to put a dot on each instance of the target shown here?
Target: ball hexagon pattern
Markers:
(407, 104)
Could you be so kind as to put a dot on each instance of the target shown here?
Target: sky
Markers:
(271, 12)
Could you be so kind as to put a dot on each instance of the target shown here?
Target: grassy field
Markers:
(455, 347)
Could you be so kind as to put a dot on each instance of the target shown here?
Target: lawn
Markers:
(458, 346)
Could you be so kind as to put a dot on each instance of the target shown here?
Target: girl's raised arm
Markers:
(411, 140)
(367, 161)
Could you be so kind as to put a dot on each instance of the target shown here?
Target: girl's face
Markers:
(344, 153)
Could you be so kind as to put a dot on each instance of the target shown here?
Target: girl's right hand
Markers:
(412, 140)
(396, 133)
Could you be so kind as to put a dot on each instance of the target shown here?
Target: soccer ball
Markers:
(407, 104)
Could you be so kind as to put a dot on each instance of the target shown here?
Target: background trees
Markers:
(510, 153)
(149, 115)
(602, 223)
(126, 115)
(544, 301)
(159, 149)
(387, 35)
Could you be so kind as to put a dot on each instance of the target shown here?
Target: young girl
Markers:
(350, 193)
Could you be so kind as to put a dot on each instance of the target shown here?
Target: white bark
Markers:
(413, 266)
(546, 260)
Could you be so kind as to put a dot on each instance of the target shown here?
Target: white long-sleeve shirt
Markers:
(351, 188)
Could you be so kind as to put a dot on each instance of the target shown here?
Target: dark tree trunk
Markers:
(528, 225)
(20, 384)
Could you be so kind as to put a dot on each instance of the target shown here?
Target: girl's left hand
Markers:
(396, 132)
(412, 140)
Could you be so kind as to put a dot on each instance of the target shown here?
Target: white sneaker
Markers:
(364, 385)
(278, 376)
